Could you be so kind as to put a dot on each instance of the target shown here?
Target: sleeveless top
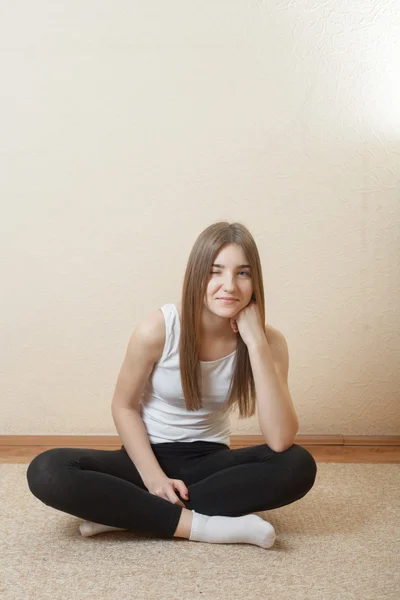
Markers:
(162, 404)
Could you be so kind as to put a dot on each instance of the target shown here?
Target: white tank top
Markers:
(162, 406)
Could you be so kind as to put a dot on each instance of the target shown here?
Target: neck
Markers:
(213, 326)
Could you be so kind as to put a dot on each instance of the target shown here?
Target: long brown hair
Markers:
(206, 247)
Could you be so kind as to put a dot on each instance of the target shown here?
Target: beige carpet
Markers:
(340, 542)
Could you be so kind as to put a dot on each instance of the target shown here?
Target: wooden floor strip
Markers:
(321, 453)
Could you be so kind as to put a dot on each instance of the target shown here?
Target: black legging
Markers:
(105, 487)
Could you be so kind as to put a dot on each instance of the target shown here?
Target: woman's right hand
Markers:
(165, 488)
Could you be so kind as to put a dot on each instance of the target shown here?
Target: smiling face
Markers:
(230, 277)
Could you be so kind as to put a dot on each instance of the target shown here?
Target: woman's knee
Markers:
(40, 473)
(302, 465)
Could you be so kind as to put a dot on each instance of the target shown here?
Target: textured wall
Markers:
(128, 127)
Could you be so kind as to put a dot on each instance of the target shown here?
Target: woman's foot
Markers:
(88, 528)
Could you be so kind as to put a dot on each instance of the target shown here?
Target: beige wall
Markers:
(128, 127)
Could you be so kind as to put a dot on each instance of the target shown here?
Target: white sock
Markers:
(89, 528)
(247, 529)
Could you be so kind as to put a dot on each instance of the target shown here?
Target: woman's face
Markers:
(230, 279)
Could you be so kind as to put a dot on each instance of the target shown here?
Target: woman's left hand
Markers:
(248, 324)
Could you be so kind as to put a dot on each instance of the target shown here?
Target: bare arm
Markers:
(276, 414)
(133, 434)
(144, 350)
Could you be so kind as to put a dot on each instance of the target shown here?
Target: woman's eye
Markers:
(217, 273)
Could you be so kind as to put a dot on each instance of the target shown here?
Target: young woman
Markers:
(186, 367)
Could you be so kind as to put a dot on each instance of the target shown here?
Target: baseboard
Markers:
(237, 441)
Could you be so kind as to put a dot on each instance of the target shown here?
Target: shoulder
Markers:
(273, 334)
(151, 331)
(279, 350)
